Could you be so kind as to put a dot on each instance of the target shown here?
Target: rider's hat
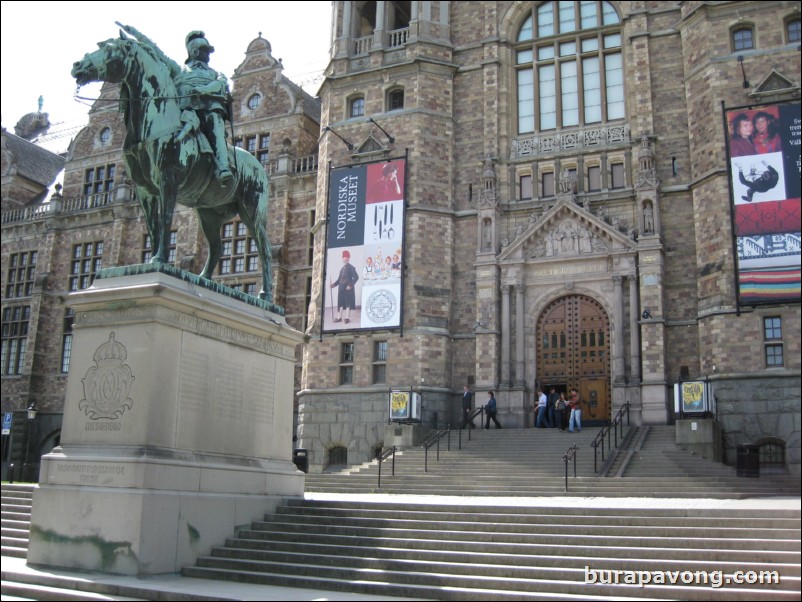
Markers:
(196, 39)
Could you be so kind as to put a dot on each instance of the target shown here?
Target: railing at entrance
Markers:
(569, 455)
(434, 439)
(383, 456)
(469, 420)
(617, 423)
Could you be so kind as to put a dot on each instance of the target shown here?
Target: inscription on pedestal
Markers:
(89, 474)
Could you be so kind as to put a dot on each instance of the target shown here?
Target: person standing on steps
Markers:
(542, 410)
(491, 408)
(553, 397)
(466, 407)
(576, 412)
(561, 408)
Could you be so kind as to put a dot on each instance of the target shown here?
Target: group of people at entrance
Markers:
(555, 411)
(551, 411)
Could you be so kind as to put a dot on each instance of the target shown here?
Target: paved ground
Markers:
(243, 591)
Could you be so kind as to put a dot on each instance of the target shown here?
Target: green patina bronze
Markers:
(166, 268)
(175, 150)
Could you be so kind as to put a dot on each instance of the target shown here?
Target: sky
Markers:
(41, 40)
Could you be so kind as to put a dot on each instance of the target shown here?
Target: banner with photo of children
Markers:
(764, 150)
(364, 246)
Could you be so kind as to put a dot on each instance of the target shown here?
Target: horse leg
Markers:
(211, 223)
(147, 203)
(255, 217)
(163, 221)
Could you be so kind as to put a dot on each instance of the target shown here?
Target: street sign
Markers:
(7, 423)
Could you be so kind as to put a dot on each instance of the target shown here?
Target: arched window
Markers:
(792, 31)
(356, 107)
(569, 66)
(395, 100)
(742, 39)
(772, 455)
(254, 101)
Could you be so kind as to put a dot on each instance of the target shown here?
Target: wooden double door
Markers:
(573, 351)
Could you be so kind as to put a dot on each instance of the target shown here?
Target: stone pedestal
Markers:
(177, 427)
(701, 436)
(404, 436)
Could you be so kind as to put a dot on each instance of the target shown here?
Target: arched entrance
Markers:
(573, 338)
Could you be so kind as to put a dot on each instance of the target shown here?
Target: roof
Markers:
(31, 161)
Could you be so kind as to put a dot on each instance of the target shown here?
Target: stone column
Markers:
(618, 316)
(505, 334)
(378, 33)
(520, 311)
(634, 329)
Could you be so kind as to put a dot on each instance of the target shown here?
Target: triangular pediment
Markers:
(566, 231)
(774, 81)
(370, 146)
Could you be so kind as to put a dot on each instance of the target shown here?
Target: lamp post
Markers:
(31, 418)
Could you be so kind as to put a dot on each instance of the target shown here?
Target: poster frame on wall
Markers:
(763, 182)
(366, 216)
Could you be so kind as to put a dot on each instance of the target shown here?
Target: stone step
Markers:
(361, 536)
(536, 515)
(26, 591)
(398, 558)
(446, 586)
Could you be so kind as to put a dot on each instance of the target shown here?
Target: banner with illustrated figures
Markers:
(364, 246)
(764, 150)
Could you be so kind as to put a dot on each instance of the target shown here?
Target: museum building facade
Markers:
(563, 216)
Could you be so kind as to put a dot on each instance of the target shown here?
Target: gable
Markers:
(566, 231)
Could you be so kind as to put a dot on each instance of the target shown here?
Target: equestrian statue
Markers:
(175, 149)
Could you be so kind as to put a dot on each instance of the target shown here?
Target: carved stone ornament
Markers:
(108, 383)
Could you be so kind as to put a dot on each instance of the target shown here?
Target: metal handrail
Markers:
(567, 457)
(383, 456)
(617, 422)
(434, 439)
(476, 412)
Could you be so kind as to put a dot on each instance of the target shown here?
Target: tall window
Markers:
(379, 362)
(547, 184)
(14, 340)
(792, 28)
(66, 340)
(395, 100)
(594, 178)
(86, 262)
(526, 187)
(569, 66)
(310, 241)
(21, 272)
(147, 248)
(617, 175)
(240, 253)
(773, 341)
(347, 364)
(357, 107)
(99, 180)
(742, 39)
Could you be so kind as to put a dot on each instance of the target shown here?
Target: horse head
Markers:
(106, 64)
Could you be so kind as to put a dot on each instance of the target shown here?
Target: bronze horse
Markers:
(166, 170)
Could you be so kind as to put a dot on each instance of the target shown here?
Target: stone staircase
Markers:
(447, 551)
(486, 540)
(528, 462)
(16, 518)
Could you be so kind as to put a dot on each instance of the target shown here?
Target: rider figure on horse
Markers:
(204, 94)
